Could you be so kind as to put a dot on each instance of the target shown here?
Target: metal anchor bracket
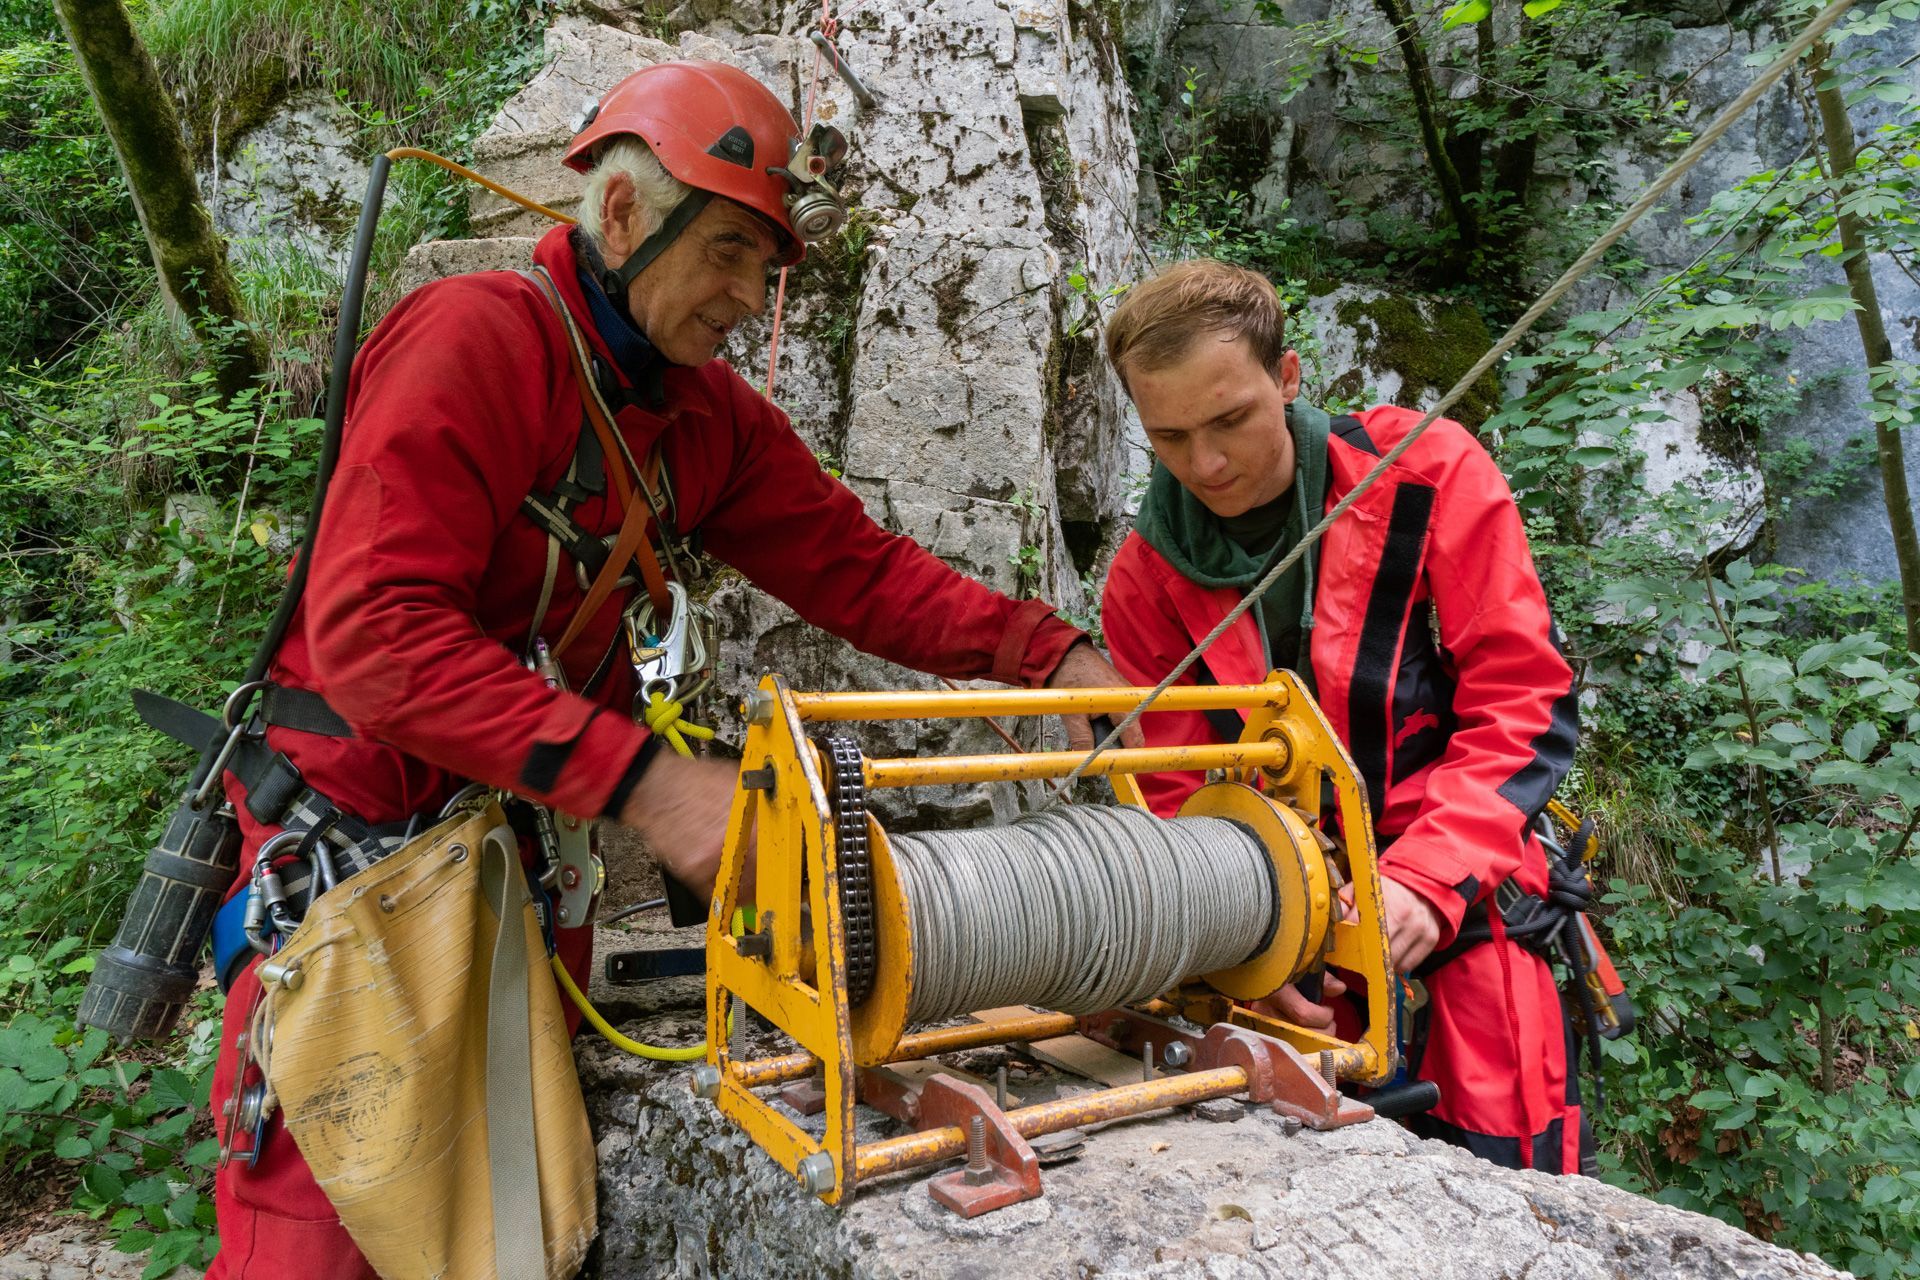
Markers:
(1001, 1167)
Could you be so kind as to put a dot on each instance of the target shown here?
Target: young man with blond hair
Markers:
(1421, 626)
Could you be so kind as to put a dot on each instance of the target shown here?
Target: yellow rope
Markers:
(691, 1053)
(663, 716)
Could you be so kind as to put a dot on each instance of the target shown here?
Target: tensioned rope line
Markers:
(1581, 265)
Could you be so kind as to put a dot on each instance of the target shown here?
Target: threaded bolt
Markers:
(1328, 1070)
(978, 1171)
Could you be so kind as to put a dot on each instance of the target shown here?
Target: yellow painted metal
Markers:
(797, 976)
(880, 1020)
(786, 833)
(1357, 943)
(911, 771)
(952, 704)
(890, 1155)
(1126, 789)
(1305, 897)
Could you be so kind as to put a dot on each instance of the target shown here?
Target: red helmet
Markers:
(712, 126)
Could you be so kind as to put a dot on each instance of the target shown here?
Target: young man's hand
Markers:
(1290, 1004)
(1085, 668)
(1413, 931)
(680, 807)
(1414, 926)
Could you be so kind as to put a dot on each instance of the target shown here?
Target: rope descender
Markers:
(672, 664)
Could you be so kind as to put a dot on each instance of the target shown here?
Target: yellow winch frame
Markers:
(792, 968)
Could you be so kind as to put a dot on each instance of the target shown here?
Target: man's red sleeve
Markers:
(804, 537)
(1514, 699)
(443, 441)
(1145, 641)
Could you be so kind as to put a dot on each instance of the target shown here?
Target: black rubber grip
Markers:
(1404, 1099)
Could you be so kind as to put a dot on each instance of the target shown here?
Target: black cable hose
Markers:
(346, 344)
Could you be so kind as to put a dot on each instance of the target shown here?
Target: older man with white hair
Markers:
(526, 454)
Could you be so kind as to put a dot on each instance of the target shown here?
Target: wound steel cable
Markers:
(1581, 265)
(1079, 909)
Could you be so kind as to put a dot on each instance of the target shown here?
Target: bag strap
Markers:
(519, 1236)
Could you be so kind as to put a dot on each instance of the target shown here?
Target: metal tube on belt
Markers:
(911, 771)
(912, 1150)
(936, 703)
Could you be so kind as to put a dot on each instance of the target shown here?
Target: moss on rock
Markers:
(227, 110)
(1429, 342)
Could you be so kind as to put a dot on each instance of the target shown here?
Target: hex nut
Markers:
(816, 1173)
(1177, 1054)
(706, 1081)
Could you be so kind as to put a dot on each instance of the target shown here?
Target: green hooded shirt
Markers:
(1205, 551)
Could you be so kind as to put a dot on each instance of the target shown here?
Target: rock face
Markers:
(934, 356)
(684, 1193)
(291, 186)
(1334, 143)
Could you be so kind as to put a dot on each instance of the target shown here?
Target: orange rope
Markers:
(415, 153)
(828, 27)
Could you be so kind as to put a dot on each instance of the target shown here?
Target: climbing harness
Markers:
(1557, 290)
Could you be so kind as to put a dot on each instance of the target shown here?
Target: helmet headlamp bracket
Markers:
(814, 203)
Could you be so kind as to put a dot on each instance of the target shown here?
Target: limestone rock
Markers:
(438, 259)
(73, 1252)
(685, 1193)
(1681, 455)
(1362, 345)
(292, 185)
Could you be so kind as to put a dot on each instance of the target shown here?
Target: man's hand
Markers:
(1414, 925)
(1085, 668)
(679, 807)
(1294, 1007)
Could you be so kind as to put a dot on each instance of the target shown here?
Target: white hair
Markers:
(655, 190)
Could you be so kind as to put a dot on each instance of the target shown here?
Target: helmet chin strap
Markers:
(616, 279)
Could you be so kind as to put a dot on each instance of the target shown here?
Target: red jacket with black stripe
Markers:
(1434, 658)
(426, 573)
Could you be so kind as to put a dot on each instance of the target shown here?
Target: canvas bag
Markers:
(420, 1058)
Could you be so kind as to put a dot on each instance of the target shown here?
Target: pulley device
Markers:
(1129, 929)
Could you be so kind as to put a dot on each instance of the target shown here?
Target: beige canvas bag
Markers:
(418, 1052)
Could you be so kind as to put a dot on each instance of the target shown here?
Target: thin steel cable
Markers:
(1078, 909)
(1581, 265)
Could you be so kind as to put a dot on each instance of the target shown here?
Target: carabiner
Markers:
(270, 904)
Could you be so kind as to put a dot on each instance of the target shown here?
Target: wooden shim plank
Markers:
(916, 1072)
(1074, 1054)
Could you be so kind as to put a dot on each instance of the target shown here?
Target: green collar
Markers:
(1179, 526)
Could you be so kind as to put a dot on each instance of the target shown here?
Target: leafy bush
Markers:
(146, 528)
(1777, 1082)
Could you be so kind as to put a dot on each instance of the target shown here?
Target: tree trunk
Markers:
(1433, 133)
(1837, 127)
(188, 253)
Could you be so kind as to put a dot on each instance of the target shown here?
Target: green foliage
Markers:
(71, 251)
(1777, 1085)
(146, 527)
(140, 1134)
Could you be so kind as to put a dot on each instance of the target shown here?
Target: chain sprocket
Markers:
(854, 862)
